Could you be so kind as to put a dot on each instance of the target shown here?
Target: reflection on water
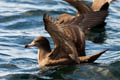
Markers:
(97, 35)
(21, 21)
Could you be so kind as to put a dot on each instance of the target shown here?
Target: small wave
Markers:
(8, 66)
(24, 62)
(23, 77)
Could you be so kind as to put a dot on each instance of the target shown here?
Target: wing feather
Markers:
(98, 4)
(80, 7)
(89, 20)
(63, 44)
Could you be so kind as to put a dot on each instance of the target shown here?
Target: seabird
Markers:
(64, 51)
(97, 5)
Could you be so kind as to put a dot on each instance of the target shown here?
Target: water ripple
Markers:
(22, 20)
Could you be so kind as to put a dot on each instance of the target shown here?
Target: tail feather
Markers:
(96, 56)
(92, 58)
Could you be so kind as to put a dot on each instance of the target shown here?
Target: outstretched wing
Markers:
(64, 47)
(81, 8)
(89, 20)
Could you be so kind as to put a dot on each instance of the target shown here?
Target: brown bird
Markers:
(78, 25)
(64, 39)
(98, 5)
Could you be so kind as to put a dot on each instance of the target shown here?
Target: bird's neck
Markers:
(43, 54)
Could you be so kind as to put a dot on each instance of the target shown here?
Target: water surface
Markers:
(21, 21)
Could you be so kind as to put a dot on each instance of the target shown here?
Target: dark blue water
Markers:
(21, 21)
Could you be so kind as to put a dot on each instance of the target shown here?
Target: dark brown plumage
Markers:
(78, 25)
(98, 5)
(45, 58)
(65, 41)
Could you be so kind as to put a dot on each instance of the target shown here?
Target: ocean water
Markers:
(21, 21)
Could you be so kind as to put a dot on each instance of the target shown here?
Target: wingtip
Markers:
(105, 6)
(101, 4)
(106, 50)
(103, 51)
(97, 55)
(79, 6)
(45, 16)
(94, 57)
